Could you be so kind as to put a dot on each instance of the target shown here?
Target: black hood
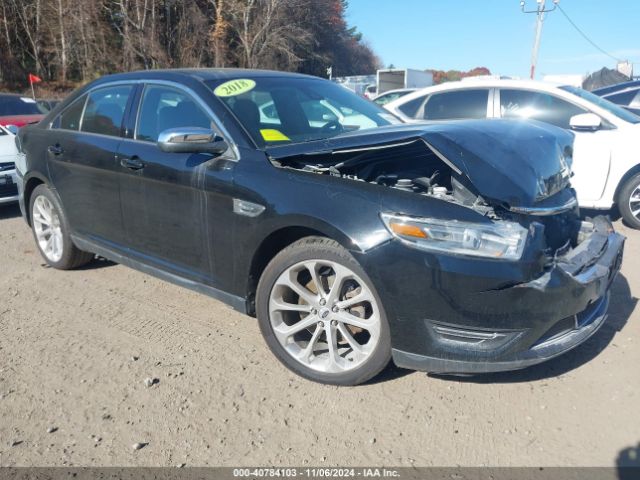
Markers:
(516, 163)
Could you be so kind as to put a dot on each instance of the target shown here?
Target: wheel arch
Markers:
(30, 184)
(625, 178)
(275, 242)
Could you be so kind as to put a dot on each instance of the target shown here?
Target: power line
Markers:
(584, 35)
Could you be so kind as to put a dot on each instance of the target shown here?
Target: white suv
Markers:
(606, 159)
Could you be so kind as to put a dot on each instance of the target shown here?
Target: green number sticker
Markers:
(234, 87)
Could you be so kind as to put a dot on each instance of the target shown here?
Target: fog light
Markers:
(467, 338)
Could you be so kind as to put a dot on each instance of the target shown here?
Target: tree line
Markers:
(74, 41)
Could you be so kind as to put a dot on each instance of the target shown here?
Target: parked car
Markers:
(371, 91)
(606, 160)
(626, 94)
(321, 113)
(449, 248)
(392, 95)
(8, 156)
(18, 110)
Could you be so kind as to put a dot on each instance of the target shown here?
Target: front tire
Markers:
(629, 202)
(52, 233)
(320, 314)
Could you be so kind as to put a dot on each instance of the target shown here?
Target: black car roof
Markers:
(201, 74)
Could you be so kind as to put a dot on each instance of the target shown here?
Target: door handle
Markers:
(55, 149)
(132, 163)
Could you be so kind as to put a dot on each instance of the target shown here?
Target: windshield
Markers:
(14, 105)
(610, 107)
(276, 110)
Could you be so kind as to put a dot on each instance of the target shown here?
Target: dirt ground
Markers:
(76, 348)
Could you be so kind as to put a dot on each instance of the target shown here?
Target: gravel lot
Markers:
(76, 348)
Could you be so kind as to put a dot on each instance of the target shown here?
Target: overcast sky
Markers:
(462, 34)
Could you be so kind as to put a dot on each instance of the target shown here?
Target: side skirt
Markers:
(237, 303)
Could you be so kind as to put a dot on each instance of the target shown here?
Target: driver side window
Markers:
(163, 108)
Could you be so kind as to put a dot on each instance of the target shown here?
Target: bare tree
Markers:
(78, 40)
(63, 43)
(219, 33)
(28, 17)
(265, 33)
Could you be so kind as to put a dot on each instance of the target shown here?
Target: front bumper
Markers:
(454, 315)
(8, 186)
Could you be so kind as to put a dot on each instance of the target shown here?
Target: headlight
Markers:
(504, 240)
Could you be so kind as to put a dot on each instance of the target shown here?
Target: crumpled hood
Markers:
(514, 162)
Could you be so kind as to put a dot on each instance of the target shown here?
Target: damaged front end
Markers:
(507, 273)
(511, 175)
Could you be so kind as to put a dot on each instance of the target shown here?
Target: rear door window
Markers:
(458, 104)
(105, 109)
(537, 106)
(70, 118)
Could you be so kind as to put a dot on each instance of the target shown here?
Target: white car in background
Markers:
(8, 158)
(320, 114)
(392, 95)
(606, 156)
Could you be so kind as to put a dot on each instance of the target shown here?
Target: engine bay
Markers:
(412, 168)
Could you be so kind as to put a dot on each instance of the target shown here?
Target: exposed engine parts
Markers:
(412, 168)
(409, 175)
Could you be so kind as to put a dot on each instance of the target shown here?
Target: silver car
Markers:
(8, 158)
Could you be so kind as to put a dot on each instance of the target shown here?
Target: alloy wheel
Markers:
(634, 202)
(46, 224)
(324, 316)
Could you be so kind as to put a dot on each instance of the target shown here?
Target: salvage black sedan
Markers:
(452, 248)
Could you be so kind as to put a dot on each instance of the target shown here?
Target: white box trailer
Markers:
(394, 78)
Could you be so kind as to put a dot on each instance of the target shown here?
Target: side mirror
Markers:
(585, 122)
(191, 140)
(12, 128)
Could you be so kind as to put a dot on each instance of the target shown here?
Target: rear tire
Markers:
(52, 233)
(629, 202)
(320, 314)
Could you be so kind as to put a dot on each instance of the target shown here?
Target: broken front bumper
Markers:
(474, 317)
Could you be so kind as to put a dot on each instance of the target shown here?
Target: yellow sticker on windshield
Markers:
(234, 87)
(272, 135)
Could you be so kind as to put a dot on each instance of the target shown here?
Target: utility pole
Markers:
(539, 11)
